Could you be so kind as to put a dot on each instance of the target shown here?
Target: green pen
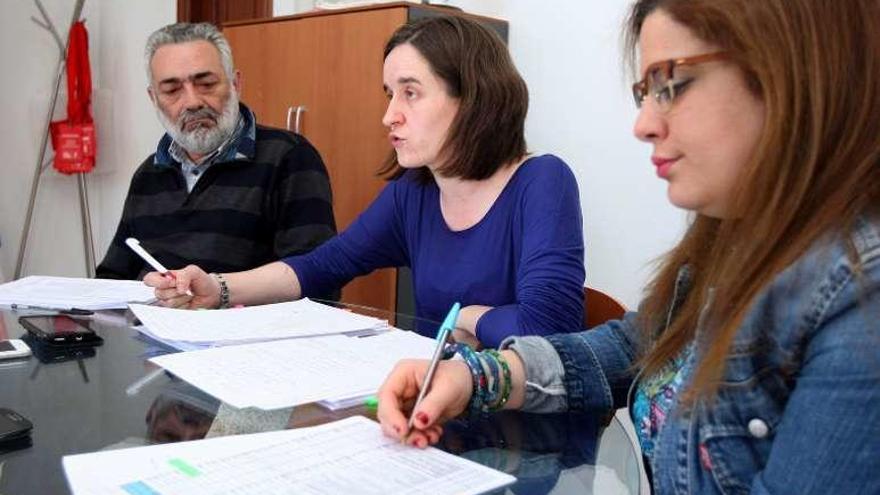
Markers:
(372, 403)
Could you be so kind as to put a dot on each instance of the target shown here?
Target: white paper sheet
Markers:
(67, 293)
(301, 318)
(344, 402)
(285, 373)
(347, 456)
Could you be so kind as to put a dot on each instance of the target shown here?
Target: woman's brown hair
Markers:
(816, 66)
(472, 60)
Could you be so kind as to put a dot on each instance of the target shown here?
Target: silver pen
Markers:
(442, 336)
(141, 382)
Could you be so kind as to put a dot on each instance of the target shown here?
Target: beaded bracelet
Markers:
(493, 379)
(507, 383)
(224, 291)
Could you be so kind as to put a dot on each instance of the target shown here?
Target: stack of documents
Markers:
(188, 330)
(347, 456)
(286, 373)
(68, 293)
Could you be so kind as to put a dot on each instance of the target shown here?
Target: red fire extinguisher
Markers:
(74, 139)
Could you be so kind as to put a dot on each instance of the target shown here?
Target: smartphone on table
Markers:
(13, 425)
(13, 348)
(61, 331)
(15, 431)
(48, 354)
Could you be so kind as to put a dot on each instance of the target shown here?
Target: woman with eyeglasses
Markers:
(753, 363)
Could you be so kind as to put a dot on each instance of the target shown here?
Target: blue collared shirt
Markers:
(240, 145)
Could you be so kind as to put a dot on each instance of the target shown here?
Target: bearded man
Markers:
(221, 192)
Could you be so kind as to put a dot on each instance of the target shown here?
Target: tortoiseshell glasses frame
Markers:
(659, 80)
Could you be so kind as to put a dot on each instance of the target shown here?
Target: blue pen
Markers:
(442, 337)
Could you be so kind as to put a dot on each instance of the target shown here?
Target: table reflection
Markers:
(90, 390)
(179, 413)
(535, 448)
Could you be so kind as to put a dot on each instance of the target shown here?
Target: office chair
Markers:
(600, 307)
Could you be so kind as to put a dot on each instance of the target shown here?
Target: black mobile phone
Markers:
(61, 331)
(48, 354)
(13, 426)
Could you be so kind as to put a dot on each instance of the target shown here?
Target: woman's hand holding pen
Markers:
(450, 391)
(190, 288)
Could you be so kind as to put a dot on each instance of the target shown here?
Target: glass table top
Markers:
(78, 403)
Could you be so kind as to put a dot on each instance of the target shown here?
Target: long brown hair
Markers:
(816, 66)
(488, 132)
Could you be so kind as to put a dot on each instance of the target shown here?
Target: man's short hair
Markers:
(184, 32)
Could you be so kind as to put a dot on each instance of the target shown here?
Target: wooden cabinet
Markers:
(324, 70)
(222, 11)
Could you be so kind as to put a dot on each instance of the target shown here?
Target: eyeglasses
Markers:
(661, 83)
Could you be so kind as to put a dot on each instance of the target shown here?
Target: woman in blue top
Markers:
(476, 218)
(753, 364)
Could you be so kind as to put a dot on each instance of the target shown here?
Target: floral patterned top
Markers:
(655, 397)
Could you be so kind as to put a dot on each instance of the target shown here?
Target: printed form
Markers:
(69, 292)
(347, 456)
(285, 373)
(301, 318)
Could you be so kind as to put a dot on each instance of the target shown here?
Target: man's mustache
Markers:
(188, 116)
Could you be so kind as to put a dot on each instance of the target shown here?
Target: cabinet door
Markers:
(331, 65)
(220, 11)
(275, 76)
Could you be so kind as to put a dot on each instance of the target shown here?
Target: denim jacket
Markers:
(798, 410)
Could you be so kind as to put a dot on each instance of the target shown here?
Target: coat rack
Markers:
(42, 163)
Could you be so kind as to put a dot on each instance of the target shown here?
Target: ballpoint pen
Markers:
(442, 336)
(135, 246)
(63, 311)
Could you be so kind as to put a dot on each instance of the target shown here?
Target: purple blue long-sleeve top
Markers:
(524, 258)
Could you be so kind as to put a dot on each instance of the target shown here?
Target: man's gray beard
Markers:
(202, 140)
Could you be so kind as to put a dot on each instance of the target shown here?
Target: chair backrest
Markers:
(599, 307)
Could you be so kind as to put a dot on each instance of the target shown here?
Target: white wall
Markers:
(567, 51)
(29, 57)
(127, 127)
(130, 127)
(289, 7)
(582, 110)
